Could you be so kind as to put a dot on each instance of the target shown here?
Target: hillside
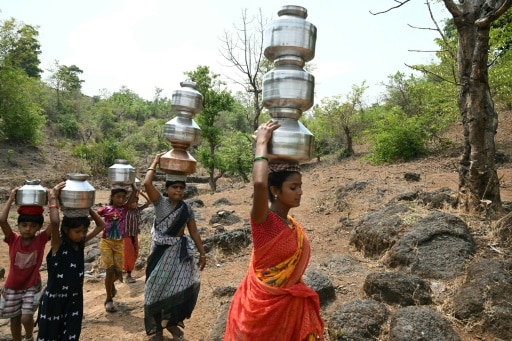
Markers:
(320, 213)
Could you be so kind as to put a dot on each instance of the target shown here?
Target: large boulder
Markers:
(436, 246)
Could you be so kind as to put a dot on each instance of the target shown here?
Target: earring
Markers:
(275, 196)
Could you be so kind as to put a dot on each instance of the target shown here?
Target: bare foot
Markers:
(177, 333)
(109, 307)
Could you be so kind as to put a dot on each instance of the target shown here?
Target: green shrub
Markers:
(235, 154)
(398, 137)
(21, 112)
(68, 126)
(100, 156)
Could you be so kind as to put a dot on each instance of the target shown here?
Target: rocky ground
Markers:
(327, 220)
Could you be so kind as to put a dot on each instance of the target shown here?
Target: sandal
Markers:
(109, 306)
(28, 338)
(177, 333)
(130, 280)
(159, 336)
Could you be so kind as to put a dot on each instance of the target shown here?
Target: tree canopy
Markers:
(408, 121)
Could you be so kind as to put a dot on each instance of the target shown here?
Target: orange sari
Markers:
(272, 302)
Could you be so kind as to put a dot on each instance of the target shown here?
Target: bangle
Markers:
(202, 256)
(53, 206)
(258, 158)
(151, 169)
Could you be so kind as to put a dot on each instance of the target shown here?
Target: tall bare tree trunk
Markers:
(479, 186)
(478, 179)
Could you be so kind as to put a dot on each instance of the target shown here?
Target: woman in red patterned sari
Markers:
(272, 302)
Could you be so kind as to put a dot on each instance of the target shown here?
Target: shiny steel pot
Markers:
(187, 101)
(121, 173)
(290, 35)
(31, 194)
(292, 142)
(78, 192)
(288, 87)
(183, 131)
(288, 90)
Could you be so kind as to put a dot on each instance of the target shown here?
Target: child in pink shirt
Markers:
(22, 287)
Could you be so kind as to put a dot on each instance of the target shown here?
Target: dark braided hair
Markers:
(69, 223)
(277, 179)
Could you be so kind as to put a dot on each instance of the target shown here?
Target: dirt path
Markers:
(320, 213)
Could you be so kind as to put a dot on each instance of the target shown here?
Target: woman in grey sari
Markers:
(172, 274)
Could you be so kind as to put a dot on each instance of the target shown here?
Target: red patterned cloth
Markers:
(287, 309)
(30, 210)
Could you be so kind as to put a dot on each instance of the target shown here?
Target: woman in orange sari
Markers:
(272, 302)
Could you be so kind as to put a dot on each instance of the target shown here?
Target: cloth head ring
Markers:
(284, 167)
(75, 212)
(30, 210)
(176, 177)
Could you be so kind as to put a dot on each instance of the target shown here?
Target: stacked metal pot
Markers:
(288, 90)
(181, 131)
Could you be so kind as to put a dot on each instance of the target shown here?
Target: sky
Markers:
(144, 45)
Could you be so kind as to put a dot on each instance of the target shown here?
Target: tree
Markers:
(160, 107)
(69, 76)
(65, 79)
(500, 77)
(425, 98)
(243, 48)
(21, 114)
(478, 179)
(66, 103)
(334, 121)
(236, 154)
(216, 100)
(129, 105)
(19, 47)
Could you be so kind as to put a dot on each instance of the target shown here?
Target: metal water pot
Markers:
(288, 87)
(121, 173)
(187, 101)
(31, 194)
(78, 192)
(182, 131)
(288, 90)
(292, 142)
(290, 36)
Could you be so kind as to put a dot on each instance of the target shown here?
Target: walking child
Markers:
(111, 243)
(131, 236)
(22, 286)
(61, 308)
